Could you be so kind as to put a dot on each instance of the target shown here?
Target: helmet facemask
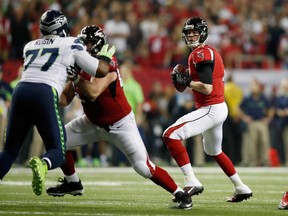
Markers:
(191, 43)
(195, 24)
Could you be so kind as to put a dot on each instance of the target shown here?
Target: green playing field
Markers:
(120, 191)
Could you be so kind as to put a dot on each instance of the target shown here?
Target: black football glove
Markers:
(181, 78)
(72, 73)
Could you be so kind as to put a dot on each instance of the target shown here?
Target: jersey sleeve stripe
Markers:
(78, 44)
(78, 47)
(212, 54)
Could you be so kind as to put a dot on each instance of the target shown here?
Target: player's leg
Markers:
(190, 125)
(18, 125)
(212, 139)
(50, 126)
(128, 140)
(70, 184)
(125, 135)
(80, 131)
(52, 131)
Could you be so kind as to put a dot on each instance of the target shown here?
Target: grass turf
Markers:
(120, 191)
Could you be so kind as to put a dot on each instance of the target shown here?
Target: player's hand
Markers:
(173, 75)
(181, 78)
(72, 73)
(106, 54)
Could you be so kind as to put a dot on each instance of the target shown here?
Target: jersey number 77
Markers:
(54, 52)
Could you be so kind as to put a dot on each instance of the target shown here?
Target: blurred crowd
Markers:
(149, 31)
(147, 34)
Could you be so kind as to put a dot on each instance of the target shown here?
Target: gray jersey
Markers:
(46, 60)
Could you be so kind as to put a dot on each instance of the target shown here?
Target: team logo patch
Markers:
(200, 54)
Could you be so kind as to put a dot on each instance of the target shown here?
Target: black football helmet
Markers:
(197, 24)
(54, 22)
(94, 35)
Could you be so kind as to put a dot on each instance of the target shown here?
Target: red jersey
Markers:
(110, 106)
(207, 54)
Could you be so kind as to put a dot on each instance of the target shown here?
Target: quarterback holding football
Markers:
(204, 76)
(178, 69)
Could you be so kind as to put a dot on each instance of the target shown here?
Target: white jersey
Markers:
(46, 60)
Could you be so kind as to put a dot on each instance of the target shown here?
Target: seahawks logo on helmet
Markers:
(54, 23)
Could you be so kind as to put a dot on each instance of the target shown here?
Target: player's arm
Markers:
(97, 67)
(93, 88)
(204, 86)
(67, 95)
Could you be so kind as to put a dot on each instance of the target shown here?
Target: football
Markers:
(181, 69)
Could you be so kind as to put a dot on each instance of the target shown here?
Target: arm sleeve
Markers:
(87, 62)
(205, 72)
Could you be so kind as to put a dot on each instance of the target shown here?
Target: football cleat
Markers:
(283, 205)
(185, 201)
(72, 188)
(239, 197)
(240, 194)
(194, 190)
(191, 190)
(39, 170)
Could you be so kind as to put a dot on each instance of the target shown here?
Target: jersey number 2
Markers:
(54, 52)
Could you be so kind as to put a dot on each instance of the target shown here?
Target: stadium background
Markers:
(252, 37)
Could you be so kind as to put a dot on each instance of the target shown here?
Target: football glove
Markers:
(181, 78)
(72, 73)
(106, 54)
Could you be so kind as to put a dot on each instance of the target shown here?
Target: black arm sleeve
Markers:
(205, 72)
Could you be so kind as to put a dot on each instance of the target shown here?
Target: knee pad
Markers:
(142, 169)
(211, 151)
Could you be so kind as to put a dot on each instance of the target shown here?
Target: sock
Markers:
(72, 178)
(163, 179)
(235, 179)
(68, 166)
(189, 176)
(178, 189)
(180, 155)
(225, 163)
(229, 169)
(177, 151)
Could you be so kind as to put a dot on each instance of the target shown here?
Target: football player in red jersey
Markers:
(107, 116)
(205, 77)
